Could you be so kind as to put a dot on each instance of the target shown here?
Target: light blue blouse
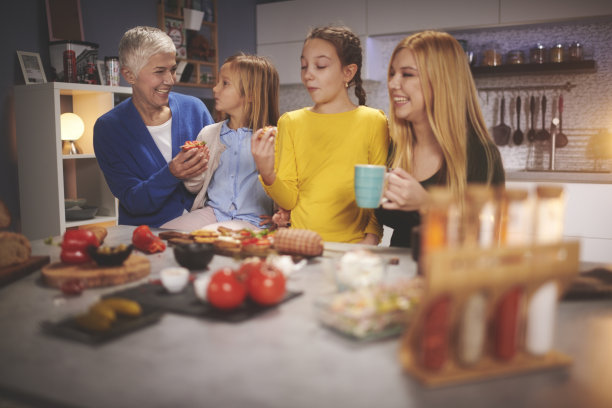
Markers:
(235, 192)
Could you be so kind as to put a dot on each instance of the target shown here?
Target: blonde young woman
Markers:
(437, 129)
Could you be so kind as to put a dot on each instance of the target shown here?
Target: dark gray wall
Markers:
(23, 26)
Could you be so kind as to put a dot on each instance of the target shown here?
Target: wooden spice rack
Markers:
(197, 52)
(463, 272)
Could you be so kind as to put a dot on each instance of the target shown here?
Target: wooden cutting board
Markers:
(11, 273)
(92, 275)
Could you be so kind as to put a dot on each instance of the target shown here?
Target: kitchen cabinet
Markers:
(400, 16)
(586, 216)
(282, 27)
(197, 50)
(46, 175)
(290, 21)
(530, 11)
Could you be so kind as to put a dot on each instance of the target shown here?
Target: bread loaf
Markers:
(298, 242)
(14, 248)
(5, 215)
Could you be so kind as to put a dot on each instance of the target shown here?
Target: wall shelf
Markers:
(197, 51)
(46, 175)
(570, 67)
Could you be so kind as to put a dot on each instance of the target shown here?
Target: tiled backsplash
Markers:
(587, 114)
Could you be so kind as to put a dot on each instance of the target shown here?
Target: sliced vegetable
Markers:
(144, 240)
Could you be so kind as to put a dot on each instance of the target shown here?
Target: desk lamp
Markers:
(72, 128)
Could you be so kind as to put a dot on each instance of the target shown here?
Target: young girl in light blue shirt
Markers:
(229, 191)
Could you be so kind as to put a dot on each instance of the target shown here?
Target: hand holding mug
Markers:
(403, 192)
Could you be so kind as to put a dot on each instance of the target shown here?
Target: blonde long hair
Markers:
(451, 101)
(258, 84)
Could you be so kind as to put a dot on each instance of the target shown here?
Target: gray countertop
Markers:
(282, 358)
(559, 176)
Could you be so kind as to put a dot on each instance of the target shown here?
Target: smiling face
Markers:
(405, 89)
(151, 86)
(228, 98)
(323, 74)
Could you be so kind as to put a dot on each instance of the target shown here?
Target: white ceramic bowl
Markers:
(174, 279)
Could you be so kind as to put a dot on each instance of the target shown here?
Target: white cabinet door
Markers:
(529, 11)
(289, 21)
(401, 16)
(286, 58)
(587, 217)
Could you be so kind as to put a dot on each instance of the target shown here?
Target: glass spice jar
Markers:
(537, 55)
(491, 57)
(515, 57)
(556, 53)
(575, 52)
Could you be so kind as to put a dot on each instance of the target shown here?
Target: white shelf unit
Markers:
(45, 173)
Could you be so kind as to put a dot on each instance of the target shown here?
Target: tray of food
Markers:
(245, 243)
(186, 302)
(371, 313)
(105, 320)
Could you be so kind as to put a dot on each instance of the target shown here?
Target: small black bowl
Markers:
(115, 257)
(195, 255)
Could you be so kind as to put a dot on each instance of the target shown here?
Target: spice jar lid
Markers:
(549, 191)
(515, 194)
(479, 193)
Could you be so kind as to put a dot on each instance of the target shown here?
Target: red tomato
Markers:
(225, 290)
(248, 266)
(266, 285)
(72, 287)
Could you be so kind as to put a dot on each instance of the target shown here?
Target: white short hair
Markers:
(139, 44)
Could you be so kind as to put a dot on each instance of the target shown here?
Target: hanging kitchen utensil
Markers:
(501, 132)
(561, 140)
(543, 134)
(531, 134)
(517, 137)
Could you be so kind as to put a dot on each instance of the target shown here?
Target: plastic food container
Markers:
(371, 313)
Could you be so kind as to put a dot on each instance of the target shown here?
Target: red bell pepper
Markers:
(74, 246)
(144, 240)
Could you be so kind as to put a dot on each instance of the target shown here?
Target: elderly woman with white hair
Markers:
(138, 143)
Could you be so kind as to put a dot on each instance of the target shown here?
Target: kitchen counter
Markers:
(282, 358)
(559, 176)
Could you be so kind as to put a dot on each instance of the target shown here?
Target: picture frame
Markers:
(32, 67)
(101, 72)
(64, 20)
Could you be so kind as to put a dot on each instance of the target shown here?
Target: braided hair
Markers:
(348, 48)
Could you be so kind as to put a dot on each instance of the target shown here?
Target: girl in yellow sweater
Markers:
(309, 170)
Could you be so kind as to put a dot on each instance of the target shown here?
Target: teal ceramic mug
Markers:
(369, 184)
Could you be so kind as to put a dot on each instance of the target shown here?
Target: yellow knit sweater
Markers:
(314, 162)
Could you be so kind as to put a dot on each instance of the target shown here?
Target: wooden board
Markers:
(11, 273)
(92, 275)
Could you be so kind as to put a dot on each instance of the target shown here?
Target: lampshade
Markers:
(72, 126)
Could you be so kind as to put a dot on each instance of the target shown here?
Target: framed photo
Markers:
(32, 67)
(101, 72)
(64, 20)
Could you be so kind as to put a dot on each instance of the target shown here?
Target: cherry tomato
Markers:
(266, 285)
(225, 290)
(72, 287)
